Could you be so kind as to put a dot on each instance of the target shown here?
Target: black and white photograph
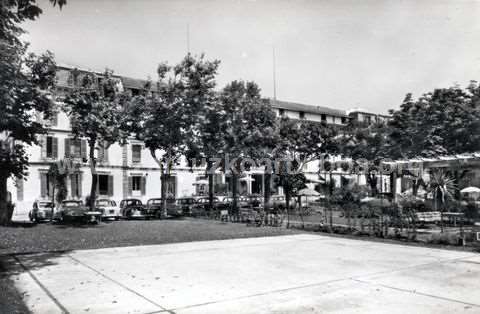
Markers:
(239, 156)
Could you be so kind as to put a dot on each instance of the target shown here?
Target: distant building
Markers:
(299, 111)
(363, 115)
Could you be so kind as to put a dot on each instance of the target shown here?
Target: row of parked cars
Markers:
(132, 208)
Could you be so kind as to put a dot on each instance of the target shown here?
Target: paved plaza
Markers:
(284, 274)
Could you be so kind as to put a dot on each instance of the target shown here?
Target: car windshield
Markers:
(155, 201)
(104, 203)
(72, 204)
(45, 204)
(134, 202)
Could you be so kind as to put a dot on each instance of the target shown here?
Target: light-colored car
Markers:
(41, 211)
(108, 208)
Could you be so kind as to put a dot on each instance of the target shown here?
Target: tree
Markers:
(367, 145)
(58, 176)
(248, 128)
(301, 142)
(26, 83)
(171, 116)
(445, 121)
(96, 113)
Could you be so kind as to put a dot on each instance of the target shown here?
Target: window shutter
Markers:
(55, 119)
(105, 152)
(83, 148)
(43, 184)
(110, 185)
(80, 181)
(55, 147)
(130, 185)
(67, 148)
(19, 185)
(73, 184)
(43, 145)
(101, 154)
(143, 183)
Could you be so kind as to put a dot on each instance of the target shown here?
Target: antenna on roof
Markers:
(274, 76)
(188, 38)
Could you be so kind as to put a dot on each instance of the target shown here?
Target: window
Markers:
(301, 115)
(51, 147)
(75, 148)
(76, 185)
(103, 184)
(344, 120)
(324, 117)
(136, 183)
(136, 153)
(281, 112)
(368, 119)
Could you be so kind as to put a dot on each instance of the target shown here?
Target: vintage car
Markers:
(75, 211)
(154, 208)
(108, 208)
(202, 206)
(181, 206)
(186, 204)
(41, 211)
(132, 208)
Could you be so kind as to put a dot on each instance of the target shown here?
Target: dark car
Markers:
(41, 211)
(75, 211)
(132, 208)
(186, 204)
(202, 206)
(155, 207)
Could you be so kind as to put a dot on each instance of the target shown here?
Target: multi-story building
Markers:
(363, 115)
(129, 170)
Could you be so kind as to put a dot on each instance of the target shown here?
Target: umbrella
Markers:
(308, 192)
(470, 189)
(200, 182)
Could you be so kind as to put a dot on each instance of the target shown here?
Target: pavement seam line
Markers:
(415, 292)
(339, 280)
(261, 294)
(163, 309)
(381, 273)
(44, 289)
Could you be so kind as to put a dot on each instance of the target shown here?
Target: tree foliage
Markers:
(445, 121)
(26, 83)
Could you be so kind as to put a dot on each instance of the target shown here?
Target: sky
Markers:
(340, 54)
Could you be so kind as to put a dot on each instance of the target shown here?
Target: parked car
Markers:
(132, 208)
(201, 207)
(186, 203)
(108, 208)
(155, 207)
(75, 211)
(174, 208)
(41, 211)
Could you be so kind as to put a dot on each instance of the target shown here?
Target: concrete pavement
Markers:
(284, 274)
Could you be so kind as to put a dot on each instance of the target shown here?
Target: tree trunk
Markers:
(93, 188)
(163, 190)
(287, 204)
(234, 194)
(5, 216)
(266, 192)
(210, 173)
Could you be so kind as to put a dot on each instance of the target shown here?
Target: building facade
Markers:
(129, 170)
